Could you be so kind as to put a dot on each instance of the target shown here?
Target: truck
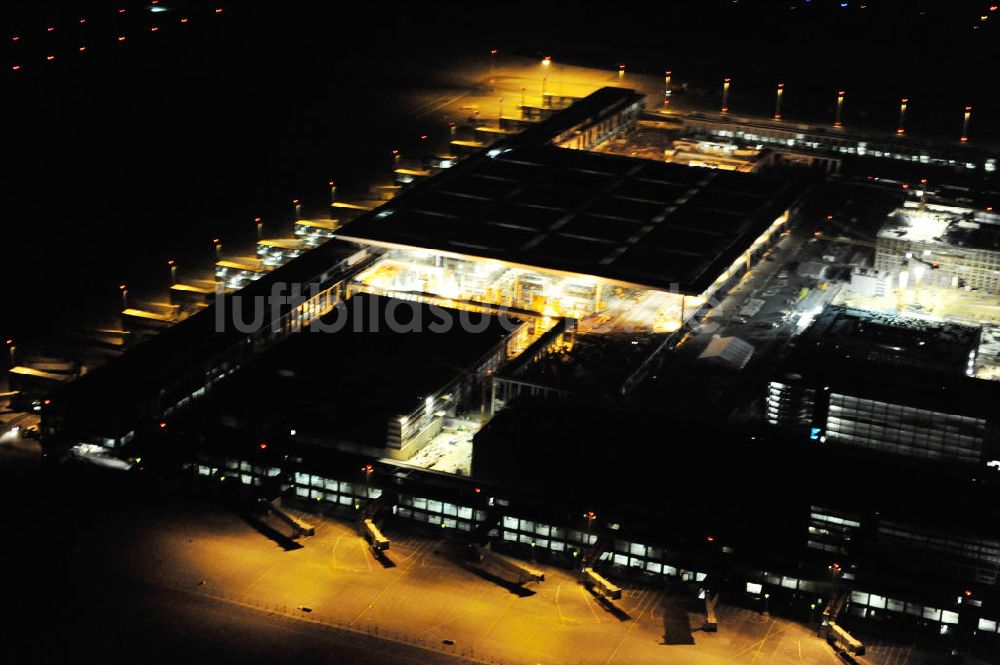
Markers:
(376, 540)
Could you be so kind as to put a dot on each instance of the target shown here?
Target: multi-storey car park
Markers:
(887, 385)
(578, 248)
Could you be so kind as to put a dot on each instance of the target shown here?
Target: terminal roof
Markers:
(632, 221)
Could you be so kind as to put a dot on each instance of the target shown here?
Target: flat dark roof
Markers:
(635, 467)
(116, 394)
(633, 221)
(597, 364)
(345, 385)
(908, 385)
(892, 340)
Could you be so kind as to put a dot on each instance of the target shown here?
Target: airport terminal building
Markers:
(574, 248)
(542, 232)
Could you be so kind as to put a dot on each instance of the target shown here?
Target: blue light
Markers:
(814, 433)
(843, 4)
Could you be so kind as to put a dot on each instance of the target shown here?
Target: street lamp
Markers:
(589, 516)
(767, 603)
(333, 191)
(173, 271)
(840, 106)
(725, 94)
(777, 101)
(367, 471)
(124, 290)
(666, 87)
(12, 351)
(902, 115)
(547, 61)
(259, 221)
(621, 71)
(493, 57)
(965, 124)
(218, 249)
(298, 209)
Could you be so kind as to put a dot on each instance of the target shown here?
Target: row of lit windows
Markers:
(337, 486)
(825, 547)
(435, 519)
(860, 404)
(903, 448)
(626, 554)
(889, 428)
(986, 551)
(922, 438)
(793, 583)
(893, 605)
(903, 429)
(895, 422)
(832, 144)
(442, 508)
(833, 519)
(979, 560)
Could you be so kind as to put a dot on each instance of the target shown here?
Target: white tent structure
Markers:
(729, 351)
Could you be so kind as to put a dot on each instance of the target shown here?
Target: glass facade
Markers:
(831, 531)
(971, 558)
(904, 430)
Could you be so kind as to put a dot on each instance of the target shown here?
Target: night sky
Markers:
(139, 151)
